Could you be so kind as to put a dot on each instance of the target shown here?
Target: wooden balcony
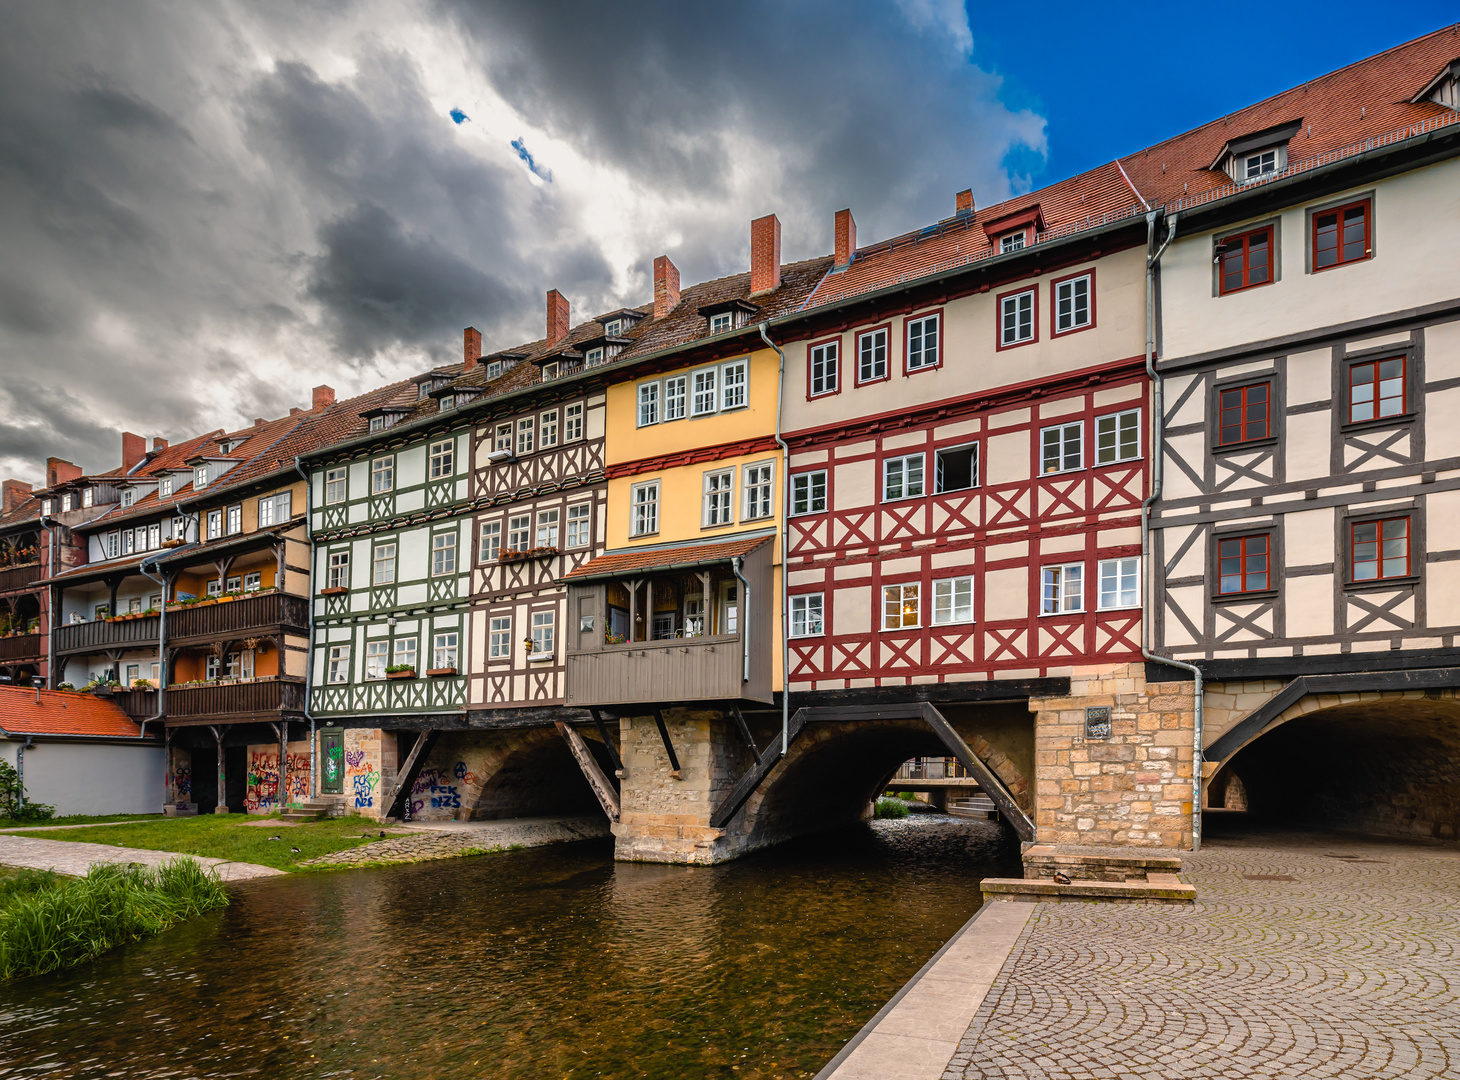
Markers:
(22, 647)
(18, 577)
(246, 615)
(232, 702)
(96, 636)
(680, 669)
(138, 704)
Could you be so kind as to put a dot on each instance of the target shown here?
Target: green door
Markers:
(332, 742)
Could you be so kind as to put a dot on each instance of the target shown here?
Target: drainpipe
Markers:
(309, 662)
(161, 645)
(49, 525)
(737, 565)
(20, 770)
(785, 548)
(1158, 418)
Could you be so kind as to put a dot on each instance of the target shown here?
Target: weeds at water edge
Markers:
(890, 808)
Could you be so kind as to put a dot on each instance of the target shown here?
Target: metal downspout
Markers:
(20, 770)
(737, 565)
(49, 524)
(1158, 419)
(785, 548)
(309, 662)
(161, 648)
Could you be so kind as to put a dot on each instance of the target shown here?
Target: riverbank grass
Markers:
(241, 838)
(49, 922)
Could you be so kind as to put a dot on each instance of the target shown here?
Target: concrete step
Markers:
(308, 811)
(1158, 888)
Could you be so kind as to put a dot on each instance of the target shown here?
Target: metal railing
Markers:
(931, 768)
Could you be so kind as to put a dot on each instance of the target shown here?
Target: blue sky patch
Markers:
(458, 116)
(520, 145)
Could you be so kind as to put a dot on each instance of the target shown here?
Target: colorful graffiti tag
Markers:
(365, 783)
(434, 791)
(262, 785)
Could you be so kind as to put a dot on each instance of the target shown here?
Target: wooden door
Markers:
(332, 774)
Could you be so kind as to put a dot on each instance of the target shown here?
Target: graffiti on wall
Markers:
(364, 782)
(182, 782)
(262, 785)
(433, 788)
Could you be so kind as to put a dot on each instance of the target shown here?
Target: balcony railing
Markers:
(22, 646)
(935, 768)
(245, 613)
(85, 637)
(234, 700)
(683, 669)
(138, 704)
(18, 577)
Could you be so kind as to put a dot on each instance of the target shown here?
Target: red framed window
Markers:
(1243, 564)
(1376, 389)
(1244, 413)
(1380, 549)
(1342, 235)
(1247, 260)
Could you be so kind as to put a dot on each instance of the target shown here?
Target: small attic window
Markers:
(127, 497)
(165, 487)
(200, 476)
(1256, 166)
(1013, 241)
(494, 369)
(722, 321)
(595, 356)
(550, 370)
(613, 328)
(88, 496)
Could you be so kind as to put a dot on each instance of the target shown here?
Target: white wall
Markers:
(92, 778)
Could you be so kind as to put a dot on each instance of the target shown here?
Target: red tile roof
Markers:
(62, 713)
(684, 557)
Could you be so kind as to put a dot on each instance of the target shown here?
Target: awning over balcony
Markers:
(641, 561)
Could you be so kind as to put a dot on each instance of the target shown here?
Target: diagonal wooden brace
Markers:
(668, 746)
(405, 777)
(602, 789)
(987, 778)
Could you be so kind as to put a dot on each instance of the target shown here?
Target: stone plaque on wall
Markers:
(1097, 722)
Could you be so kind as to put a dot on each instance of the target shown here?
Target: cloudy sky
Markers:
(206, 208)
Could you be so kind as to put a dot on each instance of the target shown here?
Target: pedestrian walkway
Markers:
(74, 857)
(424, 841)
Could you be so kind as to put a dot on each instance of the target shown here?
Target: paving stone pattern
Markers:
(1349, 970)
(450, 840)
(70, 857)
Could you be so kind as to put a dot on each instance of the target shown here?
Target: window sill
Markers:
(1060, 472)
(955, 622)
(1123, 607)
(334, 590)
(539, 658)
(1057, 614)
(1378, 423)
(1379, 584)
(1017, 344)
(1118, 461)
(899, 629)
(1244, 597)
(1243, 447)
(1244, 288)
(903, 498)
(906, 371)
(1072, 330)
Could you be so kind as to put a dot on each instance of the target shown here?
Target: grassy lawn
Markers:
(75, 819)
(232, 836)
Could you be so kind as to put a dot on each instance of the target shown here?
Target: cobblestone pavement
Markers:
(73, 857)
(453, 839)
(1351, 969)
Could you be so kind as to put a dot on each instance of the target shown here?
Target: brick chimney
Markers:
(259, 421)
(60, 471)
(963, 202)
(295, 411)
(846, 238)
(765, 254)
(324, 396)
(134, 449)
(158, 443)
(557, 317)
(666, 286)
(471, 348)
(12, 494)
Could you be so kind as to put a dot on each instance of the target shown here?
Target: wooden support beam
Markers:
(282, 731)
(220, 804)
(602, 789)
(744, 730)
(618, 764)
(405, 777)
(747, 784)
(668, 746)
(987, 778)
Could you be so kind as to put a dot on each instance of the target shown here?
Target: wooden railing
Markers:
(81, 637)
(238, 616)
(224, 699)
(17, 577)
(21, 646)
(138, 704)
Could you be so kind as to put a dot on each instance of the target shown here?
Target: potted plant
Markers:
(400, 671)
(66, 686)
(142, 684)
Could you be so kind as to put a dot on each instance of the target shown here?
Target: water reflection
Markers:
(548, 963)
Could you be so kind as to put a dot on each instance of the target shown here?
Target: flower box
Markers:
(438, 672)
(508, 555)
(400, 674)
(334, 590)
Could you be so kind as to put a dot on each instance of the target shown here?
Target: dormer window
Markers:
(1013, 241)
(46, 507)
(165, 488)
(127, 497)
(595, 356)
(613, 328)
(1258, 155)
(1444, 88)
(377, 423)
(721, 322)
(1255, 166)
(200, 476)
(550, 370)
(65, 502)
(494, 369)
(88, 496)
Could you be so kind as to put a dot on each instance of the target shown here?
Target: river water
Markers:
(546, 963)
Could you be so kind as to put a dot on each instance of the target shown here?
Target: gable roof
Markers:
(61, 712)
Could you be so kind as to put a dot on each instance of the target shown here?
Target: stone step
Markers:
(1158, 888)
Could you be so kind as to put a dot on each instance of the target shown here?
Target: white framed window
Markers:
(547, 528)
(524, 436)
(66, 502)
(593, 357)
(443, 554)
(443, 650)
(1118, 437)
(719, 498)
(721, 321)
(580, 516)
(806, 618)
(1016, 318)
(235, 584)
(275, 509)
(213, 667)
(704, 397)
(1013, 241)
(824, 363)
(377, 657)
(503, 438)
(808, 493)
(573, 423)
(404, 652)
(164, 487)
(490, 540)
(499, 640)
(215, 524)
(129, 541)
(334, 486)
(872, 355)
(902, 477)
(200, 477)
(543, 632)
(901, 606)
(1259, 164)
(382, 475)
(442, 459)
(519, 532)
(613, 328)
(1120, 583)
(338, 574)
(1061, 448)
(214, 587)
(1062, 589)
(548, 429)
(377, 423)
(180, 528)
(235, 520)
(46, 507)
(154, 536)
(758, 499)
(922, 343)
(955, 468)
(1072, 310)
(734, 379)
(648, 403)
(676, 397)
(253, 581)
(644, 509)
(339, 664)
(383, 564)
(112, 544)
(952, 601)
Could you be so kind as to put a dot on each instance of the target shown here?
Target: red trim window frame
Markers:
(1238, 257)
(1237, 404)
(886, 330)
(1343, 242)
(1244, 562)
(1377, 389)
(907, 341)
(999, 345)
(811, 391)
(1386, 544)
(1054, 304)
